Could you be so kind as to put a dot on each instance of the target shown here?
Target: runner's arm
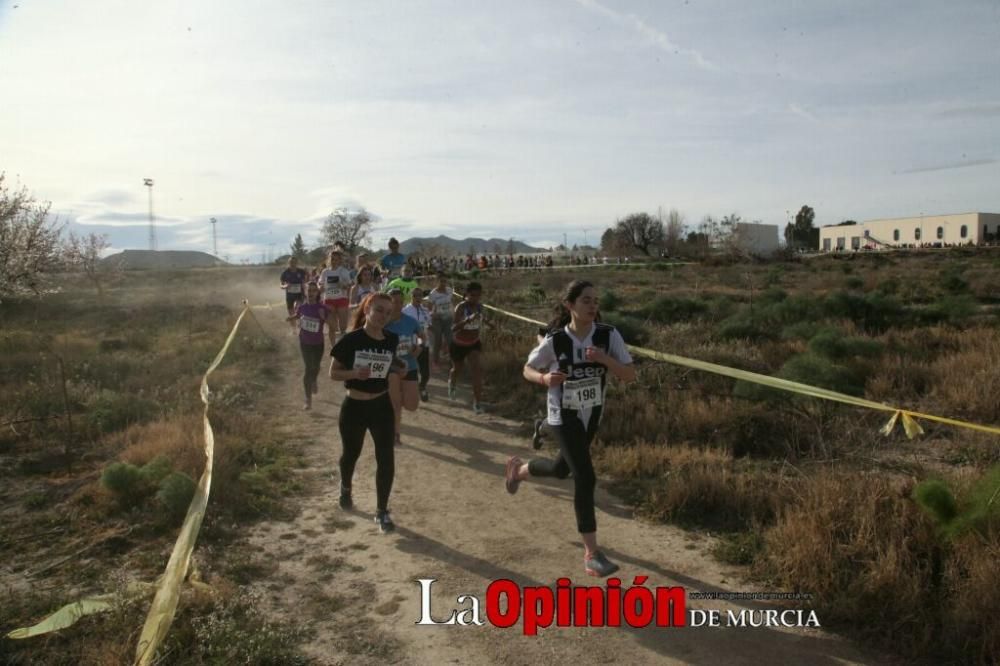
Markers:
(341, 374)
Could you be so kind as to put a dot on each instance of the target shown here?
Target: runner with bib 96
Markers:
(573, 362)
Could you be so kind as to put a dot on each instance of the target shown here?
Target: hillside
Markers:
(163, 259)
(451, 246)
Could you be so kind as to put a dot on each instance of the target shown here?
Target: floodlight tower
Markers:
(215, 241)
(148, 182)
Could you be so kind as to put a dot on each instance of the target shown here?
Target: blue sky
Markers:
(518, 119)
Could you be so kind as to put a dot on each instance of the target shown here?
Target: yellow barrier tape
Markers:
(161, 612)
(910, 426)
(70, 613)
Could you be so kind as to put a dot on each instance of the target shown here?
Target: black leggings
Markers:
(376, 415)
(424, 362)
(313, 357)
(574, 456)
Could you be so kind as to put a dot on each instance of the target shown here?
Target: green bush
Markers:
(175, 493)
(854, 283)
(874, 311)
(801, 331)
(742, 327)
(110, 411)
(156, 469)
(669, 309)
(126, 482)
(631, 328)
(609, 301)
(833, 344)
(815, 370)
(955, 309)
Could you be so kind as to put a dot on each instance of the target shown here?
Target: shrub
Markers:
(609, 301)
(801, 331)
(742, 327)
(874, 311)
(833, 344)
(854, 282)
(175, 493)
(815, 370)
(631, 328)
(156, 469)
(952, 309)
(110, 411)
(669, 309)
(125, 481)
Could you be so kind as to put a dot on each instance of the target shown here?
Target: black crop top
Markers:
(357, 348)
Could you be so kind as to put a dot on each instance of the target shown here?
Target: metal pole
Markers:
(215, 243)
(148, 182)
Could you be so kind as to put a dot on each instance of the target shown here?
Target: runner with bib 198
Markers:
(573, 362)
(363, 359)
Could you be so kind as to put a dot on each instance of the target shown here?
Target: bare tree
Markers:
(674, 232)
(29, 243)
(640, 230)
(353, 229)
(83, 253)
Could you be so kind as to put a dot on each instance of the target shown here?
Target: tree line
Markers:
(669, 235)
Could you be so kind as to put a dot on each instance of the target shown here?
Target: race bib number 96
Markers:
(377, 362)
(582, 393)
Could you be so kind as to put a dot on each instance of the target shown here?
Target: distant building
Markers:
(903, 232)
(754, 238)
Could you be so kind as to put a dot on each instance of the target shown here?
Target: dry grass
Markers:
(674, 443)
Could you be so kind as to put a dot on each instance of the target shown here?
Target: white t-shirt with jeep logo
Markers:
(582, 391)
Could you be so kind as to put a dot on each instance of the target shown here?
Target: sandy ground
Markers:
(456, 524)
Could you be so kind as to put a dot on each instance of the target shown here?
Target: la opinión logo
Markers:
(611, 605)
(567, 605)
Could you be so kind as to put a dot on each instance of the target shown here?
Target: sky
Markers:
(536, 119)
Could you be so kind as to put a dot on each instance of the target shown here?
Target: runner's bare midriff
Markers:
(355, 394)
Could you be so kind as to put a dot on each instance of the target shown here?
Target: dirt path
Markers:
(457, 525)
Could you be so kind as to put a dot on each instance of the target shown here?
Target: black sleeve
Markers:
(343, 351)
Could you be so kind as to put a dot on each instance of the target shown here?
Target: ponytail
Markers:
(562, 315)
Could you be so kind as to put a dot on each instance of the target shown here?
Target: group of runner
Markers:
(384, 357)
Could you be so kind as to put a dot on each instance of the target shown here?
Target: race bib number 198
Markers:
(582, 393)
(377, 362)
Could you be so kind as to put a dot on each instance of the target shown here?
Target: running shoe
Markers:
(424, 396)
(599, 565)
(308, 405)
(536, 440)
(477, 407)
(345, 498)
(451, 391)
(510, 477)
(384, 522)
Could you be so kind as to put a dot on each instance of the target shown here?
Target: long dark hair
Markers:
(571, 293)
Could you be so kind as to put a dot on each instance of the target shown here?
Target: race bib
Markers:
(582, 393)
(473, 325)
(309, 324)
(377, 362)
(333, 287)
(294, 289)
(405, 345)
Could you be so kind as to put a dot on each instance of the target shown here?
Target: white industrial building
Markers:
(908, 232)
(755, 238)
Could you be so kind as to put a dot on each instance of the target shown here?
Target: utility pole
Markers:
(148, 182)
(215, 243)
